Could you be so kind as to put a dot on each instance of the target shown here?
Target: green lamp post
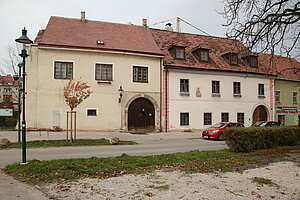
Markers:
(20, 65)
(23, 40)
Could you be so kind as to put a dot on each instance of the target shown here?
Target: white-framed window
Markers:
(224, 117)
(236, 87)
(184, 119)
(207, 118)
(140, 74)
(241, 118)
(103, 72)
(91, 112)
(277, 96)
(184, 85)
(261, 89)
(295, 97)
(216, 87)
(63, 70)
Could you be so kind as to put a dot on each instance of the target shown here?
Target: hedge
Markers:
(254, 138)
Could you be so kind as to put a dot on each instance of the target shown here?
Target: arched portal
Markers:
(141, 116)
(260, 114)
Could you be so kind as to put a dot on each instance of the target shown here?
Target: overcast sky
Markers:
(34, 15)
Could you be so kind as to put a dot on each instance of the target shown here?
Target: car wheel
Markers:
(220, 137)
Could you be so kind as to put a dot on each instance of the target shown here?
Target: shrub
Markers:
(254, 138)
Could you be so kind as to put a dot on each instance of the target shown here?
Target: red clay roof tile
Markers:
(217, 48)
(6, 79)
(75, 33)
(284, 67)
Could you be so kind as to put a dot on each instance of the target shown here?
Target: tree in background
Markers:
(9, 65)
(74, 93)
(271, 26)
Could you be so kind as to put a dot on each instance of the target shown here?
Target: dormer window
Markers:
(178, 52)
(202, 55)
(252, 60)
(232, 58)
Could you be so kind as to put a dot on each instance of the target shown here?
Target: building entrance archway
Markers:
(260, 114)
(141, 116)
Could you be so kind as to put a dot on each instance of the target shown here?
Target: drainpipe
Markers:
(161, 94)
(166, 99)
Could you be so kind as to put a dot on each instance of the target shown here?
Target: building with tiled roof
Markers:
(8, 89)
(286, 89)
(209, 79)
(120, 62)
(149, 80)
(97, 35)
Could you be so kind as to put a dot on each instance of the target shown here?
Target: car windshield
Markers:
(218, 125)
(258, 123)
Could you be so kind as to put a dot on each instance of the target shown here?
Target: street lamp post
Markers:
(19, 101)
(23, 40)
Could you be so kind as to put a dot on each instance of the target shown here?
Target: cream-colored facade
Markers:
(46, 107)
(200, 99)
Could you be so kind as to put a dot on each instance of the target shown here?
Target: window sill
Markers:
(216, 95)
(184, 94)
(261, 96)
(105, 82)
(237, 95)
(140, 81)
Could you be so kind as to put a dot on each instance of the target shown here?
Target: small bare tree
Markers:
(75, 93)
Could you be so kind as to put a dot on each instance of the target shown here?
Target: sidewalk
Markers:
(140, 138)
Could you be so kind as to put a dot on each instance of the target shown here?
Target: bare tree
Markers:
(271, 26)
(10, 63)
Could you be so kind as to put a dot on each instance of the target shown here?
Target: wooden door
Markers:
(260, 114)
(141, 116)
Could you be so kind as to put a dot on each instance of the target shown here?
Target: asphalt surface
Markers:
(148, 144)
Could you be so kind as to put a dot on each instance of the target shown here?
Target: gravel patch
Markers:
(170, 185)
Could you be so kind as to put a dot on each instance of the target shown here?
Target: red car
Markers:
(216, 131)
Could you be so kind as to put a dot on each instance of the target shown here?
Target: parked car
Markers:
(265, 124)
(216, 130)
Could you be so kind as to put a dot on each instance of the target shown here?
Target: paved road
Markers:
(149, 144)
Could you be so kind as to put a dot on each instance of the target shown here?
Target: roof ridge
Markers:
(87, 34)
(269, 54)
(89, 20)
(195, 34)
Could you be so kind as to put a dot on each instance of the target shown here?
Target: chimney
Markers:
(168, 27)
(144, 22)
(83, 16)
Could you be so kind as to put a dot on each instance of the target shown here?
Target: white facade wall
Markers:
(197, 106)
(45, 101)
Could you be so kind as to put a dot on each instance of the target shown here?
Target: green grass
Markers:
(7, 128)
(263, 181)
(162, 187)
(71, 169)
(59, 143)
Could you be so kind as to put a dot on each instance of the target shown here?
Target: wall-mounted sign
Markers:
(287, 111)
(6, 112)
